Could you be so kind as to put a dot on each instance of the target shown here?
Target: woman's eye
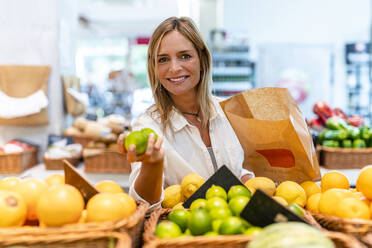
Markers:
(185, 56)
(162, 60)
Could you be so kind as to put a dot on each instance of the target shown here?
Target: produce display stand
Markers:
(344, 158)
(133, 226)
(57, 163)
(68, 240)
(341, 240)
(106, 161)
(13, 163)
(362, 229)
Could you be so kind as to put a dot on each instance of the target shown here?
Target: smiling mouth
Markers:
(177, 80)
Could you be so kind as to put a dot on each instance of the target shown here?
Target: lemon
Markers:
(178, 206)
(190, 184)
(313, 203)
(263, 183)
(310, 188)
(292, 192)
(352, 208)
(172, 196)
(334, 179)
(281, 200)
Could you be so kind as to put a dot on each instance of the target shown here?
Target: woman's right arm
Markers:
(149, 182)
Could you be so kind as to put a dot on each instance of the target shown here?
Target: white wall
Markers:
(307, 22)
(29, 36)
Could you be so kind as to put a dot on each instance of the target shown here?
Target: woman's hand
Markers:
(154, 153)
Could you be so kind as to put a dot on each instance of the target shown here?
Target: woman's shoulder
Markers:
(150, 118)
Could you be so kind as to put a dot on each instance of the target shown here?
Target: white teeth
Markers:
(177, 79)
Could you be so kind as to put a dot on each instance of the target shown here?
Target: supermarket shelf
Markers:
(228, 71)
(232, 86)
(230, 56)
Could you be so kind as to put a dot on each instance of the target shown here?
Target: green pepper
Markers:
(347, 143)
(330, 143)
(365, 133)
(353, 133)
(335, 135)
(359, 143)
(336, 123)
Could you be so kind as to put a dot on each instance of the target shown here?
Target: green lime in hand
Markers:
(138, 139)
(147, 132)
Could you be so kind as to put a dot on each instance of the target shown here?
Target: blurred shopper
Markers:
(194, 134)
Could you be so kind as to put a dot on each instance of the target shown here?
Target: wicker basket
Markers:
(69, 240)
(106, 161)
(344, 158)
(222, 241)
(133, 226)
(81, 139)
(362, 229)
(57, 163)
(15, 163)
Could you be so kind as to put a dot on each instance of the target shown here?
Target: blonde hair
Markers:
(163, 101)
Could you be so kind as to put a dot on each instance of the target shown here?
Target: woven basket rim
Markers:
(64, 238)
(103, 151)
(28, 150)
(343, 220)
(346, 150)
(150, 238)
(56, 159)
(128, 222)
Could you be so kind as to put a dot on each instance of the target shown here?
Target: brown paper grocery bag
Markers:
(273, 134)
(21, 81)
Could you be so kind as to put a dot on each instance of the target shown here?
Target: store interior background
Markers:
(290, 42)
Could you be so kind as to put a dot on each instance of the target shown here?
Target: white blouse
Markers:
(185, 151)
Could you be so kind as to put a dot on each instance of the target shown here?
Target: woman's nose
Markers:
(174, 66)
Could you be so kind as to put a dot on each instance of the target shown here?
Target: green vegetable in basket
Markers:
(347, 143)
(335, 135)
(336, 123)
(359, 143)
(330, 143)
(365, 133)
(321, 135)
(353, 133)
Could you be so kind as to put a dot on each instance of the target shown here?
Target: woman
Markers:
(197, 137)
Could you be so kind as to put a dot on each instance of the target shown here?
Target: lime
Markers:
(137, 138)
(216, 191)
(238, 190)
(187, 233)
(198, 203)
(167, 229)
(237, 204)
(216, 202)
(147, 131)
(254, 230)
(231, 225)
(210, 234)
(220, 213)
(180, 217)
(199, 222)
(296, 209)
(216, 225)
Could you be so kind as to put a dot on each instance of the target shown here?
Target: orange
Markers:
(13, 209)
(330, 199)
(292, 192)
(370, 208)
(83, 217)
(334, 179)
(31, 189)
(364, 182)
(281, 200)
(55, 179)
(105, 207)
(59, 205)
(310, 188)
(313, 203)
(9, 183)
(109, 186)
(129, 202)
(352, 208)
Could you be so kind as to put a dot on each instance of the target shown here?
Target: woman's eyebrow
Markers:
(183, 51)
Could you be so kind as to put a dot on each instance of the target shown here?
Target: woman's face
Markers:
(178, 64)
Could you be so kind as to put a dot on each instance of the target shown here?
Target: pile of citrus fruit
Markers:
(51, 202)
(216, 214)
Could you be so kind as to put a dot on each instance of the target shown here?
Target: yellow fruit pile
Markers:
(175, 195)
(51, 202)
(338, 199)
